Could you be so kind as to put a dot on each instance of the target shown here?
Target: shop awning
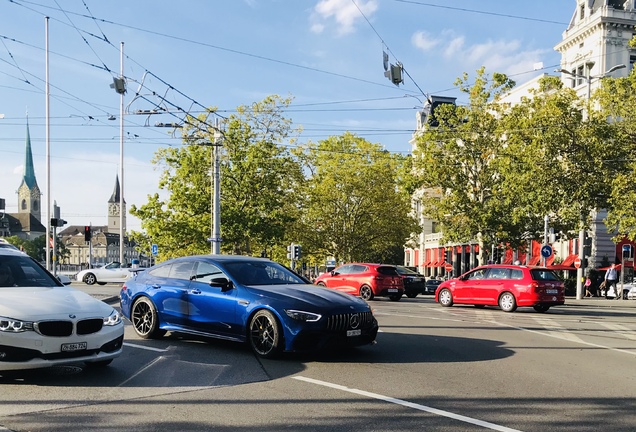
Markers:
(569, 260)
(561, 267)
(535, 260)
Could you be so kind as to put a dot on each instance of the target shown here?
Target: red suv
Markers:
(364, 280)
(506, 286)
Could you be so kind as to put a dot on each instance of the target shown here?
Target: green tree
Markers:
(353, 209)
(457, 163)
(617, 98)
(258, 179)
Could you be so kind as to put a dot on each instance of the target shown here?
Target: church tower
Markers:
(29, 194)
(113, 209)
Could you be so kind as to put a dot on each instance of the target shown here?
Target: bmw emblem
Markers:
(71, 316)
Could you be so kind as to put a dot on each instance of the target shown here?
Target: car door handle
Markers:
(155, 286)
(195, 291)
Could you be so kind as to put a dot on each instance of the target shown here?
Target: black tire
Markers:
(366, 293)
(265, 334)
(541, 308)
(445, 298)
(507, 302)
(90, 279)
(396, 297)
(98, 364)
(478, 306)
(145, 321)
(411, 295)
(322, 284)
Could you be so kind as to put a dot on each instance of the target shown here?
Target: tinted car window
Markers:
(205, 272)
(182, 270)
(477, 274)
(499, 273)
(357, 269)
(163, 271)
(22, 271)
(345, 269)
(516, 274)
(386, 270)
(261, 273)
(544, 275)
(406, 271)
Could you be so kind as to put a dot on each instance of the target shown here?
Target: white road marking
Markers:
(553, 326)
(404, 403)
(620, 329)
(128, 344)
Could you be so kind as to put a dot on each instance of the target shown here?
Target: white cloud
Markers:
(344, 12)
(424, 41)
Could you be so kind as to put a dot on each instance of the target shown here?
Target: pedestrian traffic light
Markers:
(87, 233)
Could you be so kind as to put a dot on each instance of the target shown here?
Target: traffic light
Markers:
(290, 250)
(57, 222)
(87, 233)
(296, 252)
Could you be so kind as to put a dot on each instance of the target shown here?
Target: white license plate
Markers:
(78, 346)
(551, 291)
(393, 290)
(354, 332)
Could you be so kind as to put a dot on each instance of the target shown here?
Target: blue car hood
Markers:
(312, 295)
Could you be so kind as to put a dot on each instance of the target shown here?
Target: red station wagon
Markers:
(506, 286)
(365, 280)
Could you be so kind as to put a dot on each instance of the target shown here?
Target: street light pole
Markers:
(216, 193)
(588, 78)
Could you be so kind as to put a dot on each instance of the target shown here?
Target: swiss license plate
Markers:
(393, 290)
(551, 291)
(357, 332)
(78, 346)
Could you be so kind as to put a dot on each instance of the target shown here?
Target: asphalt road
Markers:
(433, 368)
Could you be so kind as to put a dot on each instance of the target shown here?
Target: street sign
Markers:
(155, 249)
(577, 263)
(448, 267)
(546, 251)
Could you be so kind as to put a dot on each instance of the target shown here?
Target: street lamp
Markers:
(588, 77)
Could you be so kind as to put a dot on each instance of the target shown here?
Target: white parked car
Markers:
(111, 272)
(44, 323)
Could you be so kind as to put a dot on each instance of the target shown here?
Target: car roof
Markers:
(222, 258)
(11, 251)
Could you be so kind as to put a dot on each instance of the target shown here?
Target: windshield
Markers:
(261, 273)
(405, 271)
(22, 271)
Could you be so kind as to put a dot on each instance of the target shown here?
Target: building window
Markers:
(582, 12)
(35, 205)
(579, 79)
(632, 60)
(24, 204)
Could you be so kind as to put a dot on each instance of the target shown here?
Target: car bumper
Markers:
(30, 350)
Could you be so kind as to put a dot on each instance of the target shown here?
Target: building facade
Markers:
(594, 45)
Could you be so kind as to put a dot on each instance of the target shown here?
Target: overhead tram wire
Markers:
(482, 12)
(387, 47)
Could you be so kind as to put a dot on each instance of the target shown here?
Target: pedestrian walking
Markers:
(611, 277)
(588, 285)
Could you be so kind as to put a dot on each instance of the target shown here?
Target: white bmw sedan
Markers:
(44, 323)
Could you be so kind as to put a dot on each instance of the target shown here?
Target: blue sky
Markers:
(326, 54)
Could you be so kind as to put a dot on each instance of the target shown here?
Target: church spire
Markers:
(114, 198)
(29, 172)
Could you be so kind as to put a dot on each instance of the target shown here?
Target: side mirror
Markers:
(64, 279)
(334, 273)
(222, 283)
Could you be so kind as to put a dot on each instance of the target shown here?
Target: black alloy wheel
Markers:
(366, 293)
(145, 320)
(265, 334)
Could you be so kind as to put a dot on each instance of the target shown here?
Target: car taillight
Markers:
(534, 286)
(123, 287)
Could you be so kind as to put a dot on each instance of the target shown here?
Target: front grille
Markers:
(341, 322)
(89, 326)
(54, 328)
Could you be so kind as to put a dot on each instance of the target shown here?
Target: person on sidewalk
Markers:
(611, 277)
(588, 284)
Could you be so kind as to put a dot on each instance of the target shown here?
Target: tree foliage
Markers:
(258, 179)
(353, 210)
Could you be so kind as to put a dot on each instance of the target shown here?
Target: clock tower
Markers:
(114, 209)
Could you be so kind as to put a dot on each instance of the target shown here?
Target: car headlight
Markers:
(113, 319)
(302, 316)
(14, 326)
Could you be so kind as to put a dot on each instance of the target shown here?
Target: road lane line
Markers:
(404, 403)
(620, 329)
(552, 326)
(128, 344)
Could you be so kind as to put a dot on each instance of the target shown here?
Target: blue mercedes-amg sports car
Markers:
(244, 299)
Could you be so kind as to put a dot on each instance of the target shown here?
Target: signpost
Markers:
(577, 263)
(448, 267)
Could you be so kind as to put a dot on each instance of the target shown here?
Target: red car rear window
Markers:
(387, 271)
(544, 275)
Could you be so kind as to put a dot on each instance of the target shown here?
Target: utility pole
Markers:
(216, 193)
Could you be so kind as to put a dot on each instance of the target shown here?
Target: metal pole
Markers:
(216, 198)
(121, 159)
(48, 148)
(546, 219)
